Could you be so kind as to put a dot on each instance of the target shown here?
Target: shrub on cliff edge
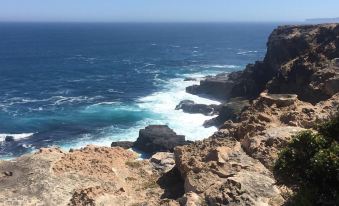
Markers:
(311, 162)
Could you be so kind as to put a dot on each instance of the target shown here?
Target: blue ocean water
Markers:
(75, 84)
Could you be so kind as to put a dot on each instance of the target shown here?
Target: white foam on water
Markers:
(221, 66)
(15, 136)
(247, 52)
(161, 105)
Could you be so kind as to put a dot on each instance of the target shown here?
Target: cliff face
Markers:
(298, 60)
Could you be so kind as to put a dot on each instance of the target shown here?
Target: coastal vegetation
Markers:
(311, 161)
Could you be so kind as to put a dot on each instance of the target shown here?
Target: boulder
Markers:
(9, 139)
(123, 144)
(158, 138)
(163, 161)
(189, 106)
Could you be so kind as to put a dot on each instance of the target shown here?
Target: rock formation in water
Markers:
(191, 107)
(292, 89)
(158, 138)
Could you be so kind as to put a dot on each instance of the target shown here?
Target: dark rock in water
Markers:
(158, 138)
(228, 111)
(184, 102)
(9, 139)
(189, 106)
(217, 87)
(123, 144)
(190, 79)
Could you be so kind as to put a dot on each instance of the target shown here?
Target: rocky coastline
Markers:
(295, 87)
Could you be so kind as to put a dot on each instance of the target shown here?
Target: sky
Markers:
(166, 10)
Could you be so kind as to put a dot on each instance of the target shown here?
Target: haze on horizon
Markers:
(166, 11)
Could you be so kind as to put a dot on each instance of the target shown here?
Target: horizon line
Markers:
(153, 22)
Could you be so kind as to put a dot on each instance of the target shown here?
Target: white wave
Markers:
(163, 105)
(221, 66)
(56, 100)
(15, 136)
(60, 100)
(115, 91)
(247, 52)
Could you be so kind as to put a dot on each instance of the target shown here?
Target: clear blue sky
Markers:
(166, 10)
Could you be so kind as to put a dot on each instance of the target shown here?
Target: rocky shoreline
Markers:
(292, 89)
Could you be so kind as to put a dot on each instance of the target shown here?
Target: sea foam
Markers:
(160, 109)
(15, 136)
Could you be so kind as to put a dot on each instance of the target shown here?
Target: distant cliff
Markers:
(322, 20)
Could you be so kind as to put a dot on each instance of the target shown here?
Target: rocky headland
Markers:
(295, 87)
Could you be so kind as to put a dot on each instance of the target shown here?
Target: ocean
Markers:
(73, 84)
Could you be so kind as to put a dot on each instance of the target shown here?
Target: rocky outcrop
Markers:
(189, 106)
(158, 138)
(217, 87)
(267, 125)
(298, 61)
(221, 173)
(88, 176)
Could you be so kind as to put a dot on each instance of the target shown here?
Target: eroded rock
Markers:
(220, 172)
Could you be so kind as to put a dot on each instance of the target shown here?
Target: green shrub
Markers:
(311, 162)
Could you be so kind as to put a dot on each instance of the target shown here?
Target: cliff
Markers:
(293, 88)
(299, 60)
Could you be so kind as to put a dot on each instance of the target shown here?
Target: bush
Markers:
(311, 162)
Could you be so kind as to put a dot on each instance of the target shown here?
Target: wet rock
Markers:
(123, 144)
(158, 138)
(9, 139)
(190, 79)
(189, 106)
(217, 87)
